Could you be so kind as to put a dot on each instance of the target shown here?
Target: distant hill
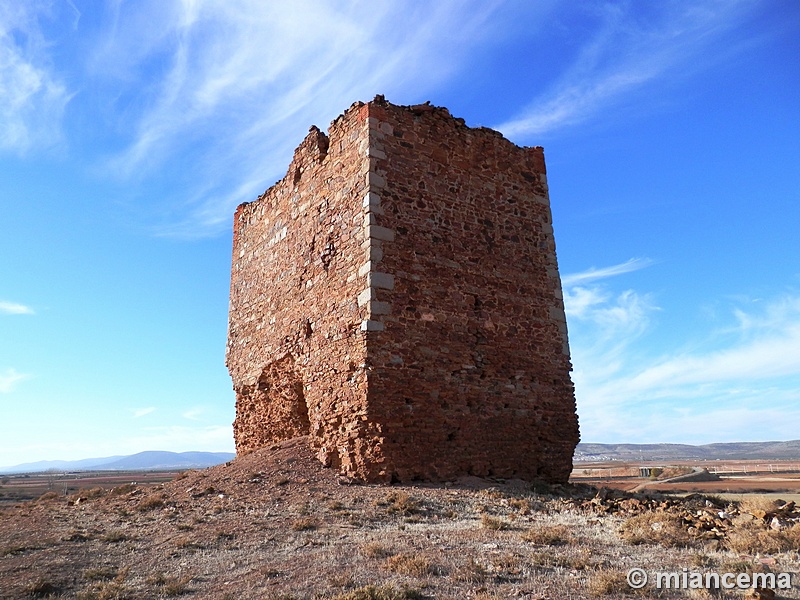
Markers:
(728, 451)
(143, 461)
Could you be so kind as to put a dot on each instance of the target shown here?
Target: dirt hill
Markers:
(276, 525)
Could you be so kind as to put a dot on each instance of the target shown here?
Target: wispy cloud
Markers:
(593, 274)
(9, 380)
(740, 381)
(629, 49)
(14, 308)
(244, 80)
(32, 97)
(194, 414)
(140, 412)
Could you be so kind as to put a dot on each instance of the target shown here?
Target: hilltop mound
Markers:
(275, 524)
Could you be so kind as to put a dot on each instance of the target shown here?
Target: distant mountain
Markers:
(168, 460)
(723, 451)
(143, 461)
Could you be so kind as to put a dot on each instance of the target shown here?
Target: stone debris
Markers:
(703, 517)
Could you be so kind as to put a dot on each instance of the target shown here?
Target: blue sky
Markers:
(129, 132)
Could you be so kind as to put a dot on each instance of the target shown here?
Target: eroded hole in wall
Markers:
(273, 409)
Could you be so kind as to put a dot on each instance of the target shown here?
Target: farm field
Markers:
(727, 477)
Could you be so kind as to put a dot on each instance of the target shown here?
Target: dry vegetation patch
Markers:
(239, 531)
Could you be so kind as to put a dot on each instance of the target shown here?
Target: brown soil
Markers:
(276, 525)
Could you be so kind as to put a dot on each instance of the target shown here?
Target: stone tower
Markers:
(396, 298)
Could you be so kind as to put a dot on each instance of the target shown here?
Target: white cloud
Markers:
(625, 54)
(593, 274)
(243, 81)
(141, 412)
(740, 382)
(14, 308)
(194, 414)
(9, 380)
(33, 97)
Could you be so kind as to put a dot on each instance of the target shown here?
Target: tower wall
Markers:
(401, 283)
(295, 349)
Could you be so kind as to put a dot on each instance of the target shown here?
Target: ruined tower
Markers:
(396, 298)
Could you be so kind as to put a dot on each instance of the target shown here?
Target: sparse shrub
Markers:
(48, 496)
(376, 550)
(410, 564)
(113, 537)
(758, 506)
(41, 588)
(126, 488)
(401, 503)
(494, 523)
(343, 580)
(756, 538)
(100, 573)
(383, 592)
(656, 527)
(176, 586)
(185, 543)
(608, 583)
(471, 572)
(151, 503)
(548, 535)
(13, 549)
(304, 524)
(493, 493)
(523, 505)
(107, 590)
(96, 492)
(170, 585)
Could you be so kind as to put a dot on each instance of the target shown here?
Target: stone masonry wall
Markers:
(471, 371)
(396, 296)
(295, 348)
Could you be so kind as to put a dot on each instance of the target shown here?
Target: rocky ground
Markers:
(276, 525)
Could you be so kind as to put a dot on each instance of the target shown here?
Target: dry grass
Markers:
(494, 523)
(757, 538)
(471, 572)
(758, 506)
(411, 564)
(383, 592)
(298, 541)
(376, 550)
(400, 503)
(151, 502)
(661, 528)
(305, 524)
(608, 583)
(548, 535)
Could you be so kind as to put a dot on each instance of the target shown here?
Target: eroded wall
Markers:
(295, 348)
